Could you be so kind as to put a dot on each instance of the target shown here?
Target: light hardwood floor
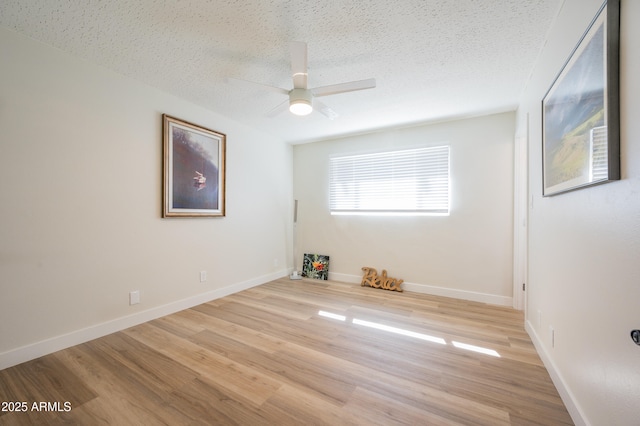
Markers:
(276, 355)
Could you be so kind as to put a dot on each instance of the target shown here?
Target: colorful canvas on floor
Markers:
(315, 266)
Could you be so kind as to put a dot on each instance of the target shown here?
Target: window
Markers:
(411, 182)
(598, 158)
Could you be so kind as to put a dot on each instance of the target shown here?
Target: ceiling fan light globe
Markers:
(300, 101)
(300, 107)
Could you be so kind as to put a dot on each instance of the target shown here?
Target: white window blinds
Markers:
(413, 181)
(598, 157)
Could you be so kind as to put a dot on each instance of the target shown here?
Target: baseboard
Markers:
(570, 403)
(45, 347)
(491, 299)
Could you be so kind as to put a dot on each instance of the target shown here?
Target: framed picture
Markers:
(315, 266)
(193, 171)
(580, 112)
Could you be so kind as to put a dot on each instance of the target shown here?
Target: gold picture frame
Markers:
(193, 170)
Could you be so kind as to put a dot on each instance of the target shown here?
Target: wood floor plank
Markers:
(203, 401)
(43, 379)
(272, 355)
(426, 397)
(256, 338)
(378, 409)
(324, 386)
(119, 390)
(237, 378)
(309, 408)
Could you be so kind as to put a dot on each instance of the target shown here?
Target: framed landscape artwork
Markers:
(193, 171)
(580, 112)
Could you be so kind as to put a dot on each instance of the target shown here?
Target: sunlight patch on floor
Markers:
(409, 333)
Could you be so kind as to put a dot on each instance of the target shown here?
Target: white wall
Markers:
(80, 191)
(467, 254)
(584, 246)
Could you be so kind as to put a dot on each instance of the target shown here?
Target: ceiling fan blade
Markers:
(240, 81)
(351, 86)
(299, 64)
(325, 110)
(278, 109)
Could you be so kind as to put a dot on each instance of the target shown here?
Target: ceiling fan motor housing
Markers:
(300, 101)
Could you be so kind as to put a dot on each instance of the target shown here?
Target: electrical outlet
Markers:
(203, 276)
(275, 262)
(134, 297)
(552, 335)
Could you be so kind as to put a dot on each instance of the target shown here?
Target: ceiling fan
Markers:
(301, 98)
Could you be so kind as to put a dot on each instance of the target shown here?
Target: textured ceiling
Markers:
(432, 59)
